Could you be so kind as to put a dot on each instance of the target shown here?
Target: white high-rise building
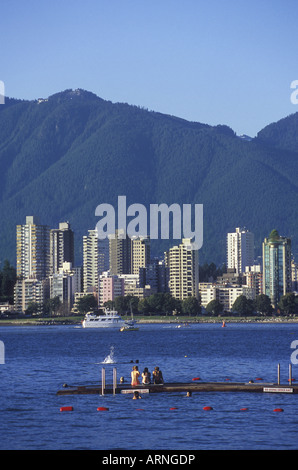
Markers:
(33, 249)
(240, 250)
(183, 269)
(95, 260)
(65, 284)
(140, 254)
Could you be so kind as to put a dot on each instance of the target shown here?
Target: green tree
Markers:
(160, 303)
(143, 306)
(52, 306)
(215, 307)
(131, 304)
(243, 306)
(155, 303)
(169, 303)
(209, 272)
(7, 281)
(120, 304)
(274, 235)
(33, 308)
(288, 303)
(263, 304)
(86, 303)
(191, 306)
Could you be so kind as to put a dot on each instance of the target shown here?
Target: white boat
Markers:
(129, 325)
(110, 319)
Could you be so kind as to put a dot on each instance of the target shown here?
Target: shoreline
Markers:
(144, 321)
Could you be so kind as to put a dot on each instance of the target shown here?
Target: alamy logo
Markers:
(2, 92)
(2, 353)
(160, 216)
(294, 358)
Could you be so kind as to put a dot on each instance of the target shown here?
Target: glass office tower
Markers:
(276, 266)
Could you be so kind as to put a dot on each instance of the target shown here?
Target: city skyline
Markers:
(124, 266)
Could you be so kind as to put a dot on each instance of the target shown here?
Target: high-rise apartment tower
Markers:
(183, 270)
(276, 266)
(33, 249)
(240, 250)
(61, 247)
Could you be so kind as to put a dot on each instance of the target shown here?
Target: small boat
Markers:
(129, 328)
(110, 319)
(130, 324)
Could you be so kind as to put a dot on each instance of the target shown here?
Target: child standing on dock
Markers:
(135, 376)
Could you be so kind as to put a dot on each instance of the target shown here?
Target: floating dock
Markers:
(262, 387)
(102, 388)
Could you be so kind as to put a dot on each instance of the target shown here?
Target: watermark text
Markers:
(294, 94)
(294, 355)
(163, 221)
(2, 353)
(2, 92)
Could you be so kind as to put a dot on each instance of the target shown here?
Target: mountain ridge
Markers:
(63, 155)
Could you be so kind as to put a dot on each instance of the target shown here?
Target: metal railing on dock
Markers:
(103, 380)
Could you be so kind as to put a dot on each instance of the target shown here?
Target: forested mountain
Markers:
(63, 156)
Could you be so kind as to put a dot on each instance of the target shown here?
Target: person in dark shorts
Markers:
(157, 376)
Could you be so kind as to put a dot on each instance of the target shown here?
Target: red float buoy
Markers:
(102, 408)
(207, 408)
(259, 378)
(278, 410)
(66, 408)
(196, 378)
(243, 409)
(173, 408)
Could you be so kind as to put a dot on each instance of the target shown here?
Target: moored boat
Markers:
(110, 319)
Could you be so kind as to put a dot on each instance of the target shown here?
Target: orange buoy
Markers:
(259, 378)
(102, 408)
(278, 410)
(207, 408)
(66, 408)
(173, 408)
(243, 409)
(196, 378)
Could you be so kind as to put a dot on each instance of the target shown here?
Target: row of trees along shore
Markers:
(165, 304)
(156, 304)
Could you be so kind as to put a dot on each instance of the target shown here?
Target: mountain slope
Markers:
(62, 157)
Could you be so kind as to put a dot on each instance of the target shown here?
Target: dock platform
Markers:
(261, 387)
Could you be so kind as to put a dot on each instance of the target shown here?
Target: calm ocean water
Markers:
(39, 360)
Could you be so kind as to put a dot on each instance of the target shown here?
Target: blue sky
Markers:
(216, 62)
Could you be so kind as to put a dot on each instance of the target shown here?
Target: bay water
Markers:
(39, 360)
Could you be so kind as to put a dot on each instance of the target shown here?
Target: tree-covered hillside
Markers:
(62, 157)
